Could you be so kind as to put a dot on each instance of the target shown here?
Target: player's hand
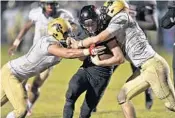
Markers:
(95, 60)
(72, 42)
(96, 50)
(11, 50)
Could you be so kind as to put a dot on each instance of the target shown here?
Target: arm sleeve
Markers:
(46, 43)
(33, 14)
(119, 22)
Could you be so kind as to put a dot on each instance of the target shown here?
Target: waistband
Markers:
(156, 58)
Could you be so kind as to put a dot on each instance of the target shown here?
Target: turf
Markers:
(52, 99)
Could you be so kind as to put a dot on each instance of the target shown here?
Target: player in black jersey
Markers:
(90, 78)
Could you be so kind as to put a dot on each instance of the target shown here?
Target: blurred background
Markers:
(14, 14)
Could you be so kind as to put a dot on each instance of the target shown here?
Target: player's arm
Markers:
(116, 59)
(149, 11)
(18, 39)
(117, 23)
(59, 51)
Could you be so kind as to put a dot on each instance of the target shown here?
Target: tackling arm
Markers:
(103, 36)
(59, 51)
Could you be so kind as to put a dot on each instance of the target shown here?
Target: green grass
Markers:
(52, 99)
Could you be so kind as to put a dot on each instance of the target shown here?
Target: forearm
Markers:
(73, 53)
(103, 36)
(111, 61)
(23, 31)
(67, 53)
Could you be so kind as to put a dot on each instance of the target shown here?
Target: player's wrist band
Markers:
(16, 42)
(86, 52)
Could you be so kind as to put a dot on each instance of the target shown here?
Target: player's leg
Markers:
(98, 82)
(148, 92)
(131, 88)
(161, 83)
(15, 93)
(33, 89)
(77, 85)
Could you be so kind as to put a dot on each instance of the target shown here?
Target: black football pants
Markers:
(94, 81)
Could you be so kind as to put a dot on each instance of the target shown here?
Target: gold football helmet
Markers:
(59, 28)
(114, 7)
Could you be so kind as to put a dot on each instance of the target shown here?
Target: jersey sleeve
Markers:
(33, 15)
(119, 22)
(46, 43)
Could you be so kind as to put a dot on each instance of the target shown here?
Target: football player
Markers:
(167, 22)
(144, 13)
(38, 17)
(90, 78)
(47, 52)
(155, 72)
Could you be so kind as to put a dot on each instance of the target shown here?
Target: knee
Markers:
(21, 112)
(122, 96)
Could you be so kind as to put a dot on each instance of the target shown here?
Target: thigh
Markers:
(135, 86)
(77, 85)
(98, 83)
(14, 91)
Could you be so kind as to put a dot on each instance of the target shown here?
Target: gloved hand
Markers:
(92, 50)
(96, 50)
(95, 60)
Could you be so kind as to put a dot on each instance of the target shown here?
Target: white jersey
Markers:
(131, 38)
(41, 22)
(36, 60)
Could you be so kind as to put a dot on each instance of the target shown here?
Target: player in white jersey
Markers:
(38, 17)
(47, 52)
(155, 72)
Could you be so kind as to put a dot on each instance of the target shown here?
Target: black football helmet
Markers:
(89, 19)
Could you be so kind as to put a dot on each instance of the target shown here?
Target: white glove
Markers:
(95, 60)
(94, 50)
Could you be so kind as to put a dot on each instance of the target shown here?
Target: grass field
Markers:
(51, 101)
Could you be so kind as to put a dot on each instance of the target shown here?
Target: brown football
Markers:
(107, 53)
(105, 56)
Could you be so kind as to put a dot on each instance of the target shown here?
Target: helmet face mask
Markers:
(89, 18)
(90, 25)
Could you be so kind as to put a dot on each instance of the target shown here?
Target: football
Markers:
(106, 55)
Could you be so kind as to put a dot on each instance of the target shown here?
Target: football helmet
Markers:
(114, 7)
(89, 18)
(53, 6)
(59, 28)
